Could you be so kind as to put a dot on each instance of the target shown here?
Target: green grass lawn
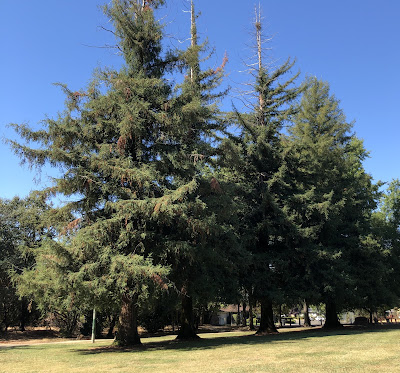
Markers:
(375, 350)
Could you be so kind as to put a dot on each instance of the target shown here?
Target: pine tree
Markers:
(22, 229)
(193, 255)
(332, 201)
(110, 144)
(256, 159)
(137, 160)
(379, 266)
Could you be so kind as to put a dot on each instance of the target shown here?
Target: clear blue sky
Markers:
(354, 45)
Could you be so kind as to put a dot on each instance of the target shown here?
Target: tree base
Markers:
(267, 324)
(332, 326)
(187, 336)
(331, 318)
(266, 332)
(127, 334)
(119, 343)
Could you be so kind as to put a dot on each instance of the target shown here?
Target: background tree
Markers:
(22, 229)
(380, 264)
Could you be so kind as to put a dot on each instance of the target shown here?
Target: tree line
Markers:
(173, 204)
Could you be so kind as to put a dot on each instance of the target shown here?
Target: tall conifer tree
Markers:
(256, 159)
(136, 162)
(332, 201)
(193, 255)
(110, 144)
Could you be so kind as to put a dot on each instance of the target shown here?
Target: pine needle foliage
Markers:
(333, 196)
(111, 144)
(196, 254)
(256, 158)
(136, 160)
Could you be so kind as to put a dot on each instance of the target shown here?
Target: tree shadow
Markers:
(5, 348)
(205, 343)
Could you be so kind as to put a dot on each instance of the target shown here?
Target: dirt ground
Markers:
(37, 335)
(32, 336)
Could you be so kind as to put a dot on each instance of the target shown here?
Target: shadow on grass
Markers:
(6, 348)
(205, 343)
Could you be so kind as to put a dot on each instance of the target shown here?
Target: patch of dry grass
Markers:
(347, 350)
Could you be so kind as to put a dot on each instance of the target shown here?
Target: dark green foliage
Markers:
(254, 162)
(200, 231)
(159, 311)
(8, 255)
(111, 147)
(22, 229)
(390, 203)
(332, 200)
(166, 211)
(382, 253)
(133, 160)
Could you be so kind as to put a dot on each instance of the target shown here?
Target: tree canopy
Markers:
(173, 204)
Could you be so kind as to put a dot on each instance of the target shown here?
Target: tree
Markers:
(9, 304)
(137, 167)
(333, 199)
(390, 203)
(22, 229)
(195, 251)
(111, 146)
(255, 160)
(379, 267)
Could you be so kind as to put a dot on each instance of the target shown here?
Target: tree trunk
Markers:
(173, 321)
(127, 334)
(5, 318)
(307, 321)
(267, 325)
(24, 314)
(331, 318)
(244, 320)
(238, 315)
(113, 320)
(187, 329)
(201, 315)
(251, 316)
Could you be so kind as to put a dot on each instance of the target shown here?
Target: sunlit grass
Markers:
(308, 351)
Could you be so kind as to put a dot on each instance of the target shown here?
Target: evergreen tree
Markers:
(22, 229)
(380, 266)
(110, 144)
(390, 203)
(332, 200)
(196, 254)
(256, 159)
(137, 166)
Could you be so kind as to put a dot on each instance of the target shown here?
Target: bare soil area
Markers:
(36, 335)
(31, 336)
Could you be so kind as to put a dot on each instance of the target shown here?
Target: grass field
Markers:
(347, 350)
